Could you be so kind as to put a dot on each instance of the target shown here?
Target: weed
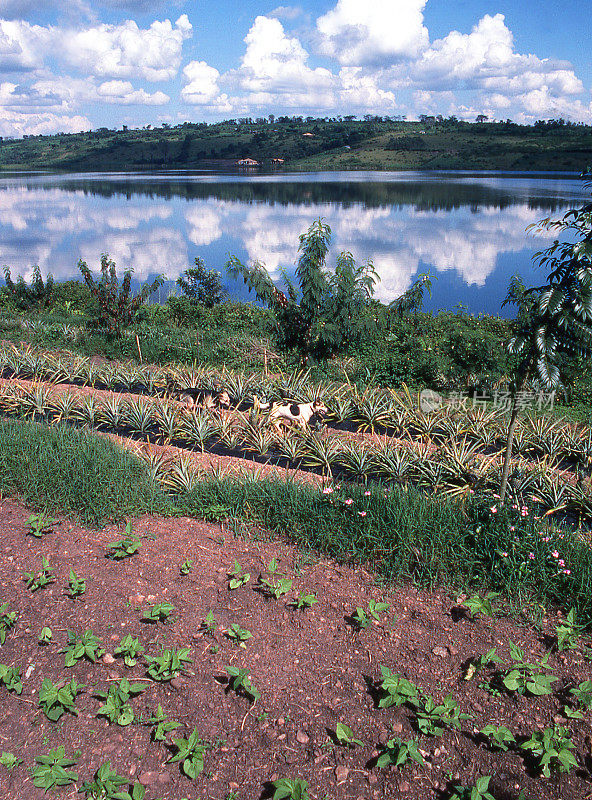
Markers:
(583, 694)
(480, 791)
(52, 770)
(287, 789)
(7, 620)
(362, 619)
(39, 524)
(480, 605)
(76, 585)
(568, 632)
(130, 648)
(45, 636)
(500, 738)
(523, 677)
(190, 754)
(162, 725)
(37, 580)
(11, 678)
(238, 577)
(305, 601)
(241, 683)
(9, 760)
(158, 613)
(433, 718)
(398, 752)
(186, 566)
(107, 784)
(397, 690)
(345, 735)
(208, 624)
(55, 700)
(238, 634)
(85, 646)
(168, 664)
(552, 749)
(126, 547)
(117, 707)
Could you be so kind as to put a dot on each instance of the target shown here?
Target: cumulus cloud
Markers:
(124, 93)
(22, 45)
(286, 12)
(202, 88)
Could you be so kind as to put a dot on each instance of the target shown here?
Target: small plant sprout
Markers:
(125, 547)
(273, 587)
(481, 662)
(190, 753)
(345, 735)
(38, 524)
(362, 618)
(398, 752)
(499, 738)
(304, 601)
(76, 585)
(55, 700)
(7, 620)
(9, 760)
(238, 634)
(45, 636)
(240, 682)
(85, 646)
(158, 613)
(568, 632)
(107, 785)
(480, 605)
(162, 725)
(433, 718)
(117, 707)
(397, 690)
(186, 566)
(583, 694)
(552, 750)
(168, 664)
(480, 791)
(237, 577)
(37, 580)
(523, 677)
(287, 789)
(52, 769)
(11, 678)
(208, 624)
(130, 648)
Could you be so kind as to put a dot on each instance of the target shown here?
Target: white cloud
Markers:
(358, 32)
(202, 87)
(123, 92)
(286, 12)
(22, 45)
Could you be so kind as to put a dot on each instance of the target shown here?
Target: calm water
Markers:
(467, 229)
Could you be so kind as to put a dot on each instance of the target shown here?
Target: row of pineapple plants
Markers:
(455, 467)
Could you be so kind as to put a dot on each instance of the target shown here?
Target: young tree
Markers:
(324, 312)
(555, 318)
(201, 285)
(26, 297)
(116, 308)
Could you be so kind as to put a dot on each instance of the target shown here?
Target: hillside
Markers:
(312, 144)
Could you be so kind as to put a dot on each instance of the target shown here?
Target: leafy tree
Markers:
(116, 309)
(202, 285)
(325, 312)
(555, 318)
(25, 297)
(411, 301)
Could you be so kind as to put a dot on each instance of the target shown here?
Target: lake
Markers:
(468, 229)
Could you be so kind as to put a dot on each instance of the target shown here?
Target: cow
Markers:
(299, 413)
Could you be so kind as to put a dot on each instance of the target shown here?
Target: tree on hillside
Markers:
(325, 311)
(555, 318)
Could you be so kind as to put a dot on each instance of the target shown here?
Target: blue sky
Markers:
(78, 64)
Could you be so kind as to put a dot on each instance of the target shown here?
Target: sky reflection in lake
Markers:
(467, 229)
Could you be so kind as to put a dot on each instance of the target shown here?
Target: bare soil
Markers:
(313, 669)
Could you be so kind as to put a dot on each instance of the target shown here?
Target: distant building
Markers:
(277, 160)
(308, 134)
(246, 162)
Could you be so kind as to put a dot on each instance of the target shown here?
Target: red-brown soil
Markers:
(312, 667)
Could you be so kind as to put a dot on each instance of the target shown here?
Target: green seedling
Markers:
(45, 636)
(9, 760)
(481, 662)
(292, 790)
(11, 678)
(130, 648)
(433, 718)
(168, 664)
(39, 524)
(523, 677)
(583, 694)
(162, 725)
(480, 605)
(37, 580)
(305, 601)
(360, 618)
(397, 690)
(76, 585)
(238, 634)
(208, 624)
(85, 646)
(345, 735)
(53, 769)
(374, 608)
(186, 566)
(398, 752)
(190, 754)
(552, 750)
(272, 587)
(7, 620)
(159, 612)
(571, 713)
(499, 738)
(240, 683)
(237, 577)
(480, 791)
(117, 707)
(107, 785)
(568, 632)
(124, 547)
(56, 700)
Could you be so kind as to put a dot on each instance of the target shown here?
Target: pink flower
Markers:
(327, 490)
(362, 513)
(512, 528)
(493, 509)
(567, 572)
(349, 501)
(337, 487)
(524, 512)
(561, 562)
(367, 494)
(514, 506)
(505, 555)
(555, 554)
(531, 556)
(496, 496)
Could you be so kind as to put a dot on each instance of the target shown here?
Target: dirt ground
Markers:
(314, 668)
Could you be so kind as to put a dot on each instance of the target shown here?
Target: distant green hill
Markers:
(312, 144)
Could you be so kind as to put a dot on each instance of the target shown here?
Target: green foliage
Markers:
(411, 301)
(290, 789)
(398, 752)
(304, 601)
(159, 612)
(238, 577)
(552, 749)
(55, 700)
(107, 785)
(53, 769)
(523, 677)
(345, 735)
(396, 690)
(498, 737)
(240, 682)
(117, 707)
(45, 636)
(9, 760)
(568, 632)
(481, 662)
(40, 524)
(87, 645)
(202, 285)
(362, 618)
(186, 566)
(480, 791)
(24, 297)
(130, 648)
(583, 694)
(433, 718)
(272, 586)
(162, 725)
(208, 624)
(76, 585)
(238, 634)
(190, 754)
(481, 605)
(123, 548)
(7, 620)
(168, 664)
(11, 678)
(37, 580)
(116, 309)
